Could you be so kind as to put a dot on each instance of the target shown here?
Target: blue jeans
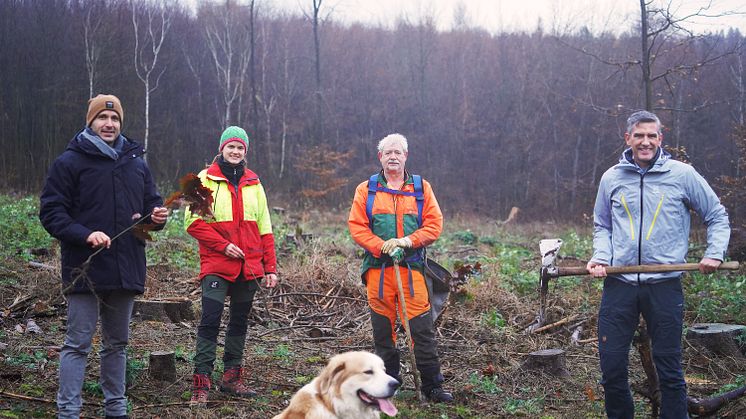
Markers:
(662, 306)
(83, 311)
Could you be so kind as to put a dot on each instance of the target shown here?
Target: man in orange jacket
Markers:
(394, 216)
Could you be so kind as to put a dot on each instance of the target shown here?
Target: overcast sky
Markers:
(512, 15)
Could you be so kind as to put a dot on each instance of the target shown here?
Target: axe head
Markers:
(549, 249)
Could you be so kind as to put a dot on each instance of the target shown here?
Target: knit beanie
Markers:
(101, 103)
(234, 133)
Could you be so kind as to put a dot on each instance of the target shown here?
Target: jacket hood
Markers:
(627, 161)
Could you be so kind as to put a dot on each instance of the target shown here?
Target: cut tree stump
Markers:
(162, 366)
(719, 338)
(175, 311)
(549, 361)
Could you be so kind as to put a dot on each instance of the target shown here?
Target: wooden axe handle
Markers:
(634, 269)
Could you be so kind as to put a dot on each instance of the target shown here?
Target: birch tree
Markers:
(92, 38)
(229, 43)
(289, 88)
(266, 99)
(150, 32)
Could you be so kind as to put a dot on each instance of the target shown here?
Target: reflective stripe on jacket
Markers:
(642, 217)
(242, 218)
(394, 216)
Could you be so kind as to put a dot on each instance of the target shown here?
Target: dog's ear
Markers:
(329, 375)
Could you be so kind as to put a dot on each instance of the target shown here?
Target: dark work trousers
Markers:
(662, 306)
(214, 291)
(425, 348)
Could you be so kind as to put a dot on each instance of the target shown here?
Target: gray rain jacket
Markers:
(642, 217)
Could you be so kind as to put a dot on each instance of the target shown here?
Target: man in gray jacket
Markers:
(642, 216)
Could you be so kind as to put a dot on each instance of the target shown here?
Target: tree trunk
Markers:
(549, 361)
(718, 338)
(162, 366)
(174, 311)
(642, 341)
(646, 82)
(703, 407)
(319, 123)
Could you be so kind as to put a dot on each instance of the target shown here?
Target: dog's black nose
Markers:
(394, 384)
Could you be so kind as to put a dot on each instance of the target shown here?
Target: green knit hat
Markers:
(234, 133)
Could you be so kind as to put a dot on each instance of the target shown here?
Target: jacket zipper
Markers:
(639, 235)
(396, 218)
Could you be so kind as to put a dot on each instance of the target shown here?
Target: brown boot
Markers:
(200, 388)
(233, 383)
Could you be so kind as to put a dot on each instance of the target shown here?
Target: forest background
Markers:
(496, 120)
(528, 119)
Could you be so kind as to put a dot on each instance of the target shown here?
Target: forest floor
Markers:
(319, 310)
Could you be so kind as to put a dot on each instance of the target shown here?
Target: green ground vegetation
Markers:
(482, 338)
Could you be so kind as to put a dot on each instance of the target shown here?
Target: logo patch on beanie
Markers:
(109, 105)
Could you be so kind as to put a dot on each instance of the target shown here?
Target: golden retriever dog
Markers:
(353, 385)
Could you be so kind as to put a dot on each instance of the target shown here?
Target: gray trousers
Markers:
(83, 311)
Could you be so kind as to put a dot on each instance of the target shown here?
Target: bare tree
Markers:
(252, 73)
(91, 37)
(230, 47)
(661, 32)
(289, 87)
(266, 99)
(319, 122)
(148, 42)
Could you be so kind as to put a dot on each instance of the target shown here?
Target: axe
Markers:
(550, 248)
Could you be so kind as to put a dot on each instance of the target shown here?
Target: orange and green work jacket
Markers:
(242, 218)
(394, 216)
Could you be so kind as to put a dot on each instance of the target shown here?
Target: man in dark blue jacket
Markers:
(95, 189)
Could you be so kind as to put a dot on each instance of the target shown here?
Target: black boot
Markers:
(438, 395)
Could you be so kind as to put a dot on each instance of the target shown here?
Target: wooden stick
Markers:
(559, 323)
(405, 322)
(42, 266)
(306, 294)
(36, 399)
(633, 269)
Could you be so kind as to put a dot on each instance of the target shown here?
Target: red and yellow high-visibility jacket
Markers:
(242, 218)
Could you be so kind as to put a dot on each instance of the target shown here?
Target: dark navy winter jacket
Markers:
(88, 191)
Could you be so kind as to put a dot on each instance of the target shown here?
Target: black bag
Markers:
(438, 280)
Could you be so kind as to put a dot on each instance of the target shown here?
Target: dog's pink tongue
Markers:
(387, 407)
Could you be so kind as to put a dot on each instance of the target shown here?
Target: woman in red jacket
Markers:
(237, 250)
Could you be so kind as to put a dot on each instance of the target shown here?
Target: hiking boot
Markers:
(438, 395)
(200, 388)
(232, 383)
